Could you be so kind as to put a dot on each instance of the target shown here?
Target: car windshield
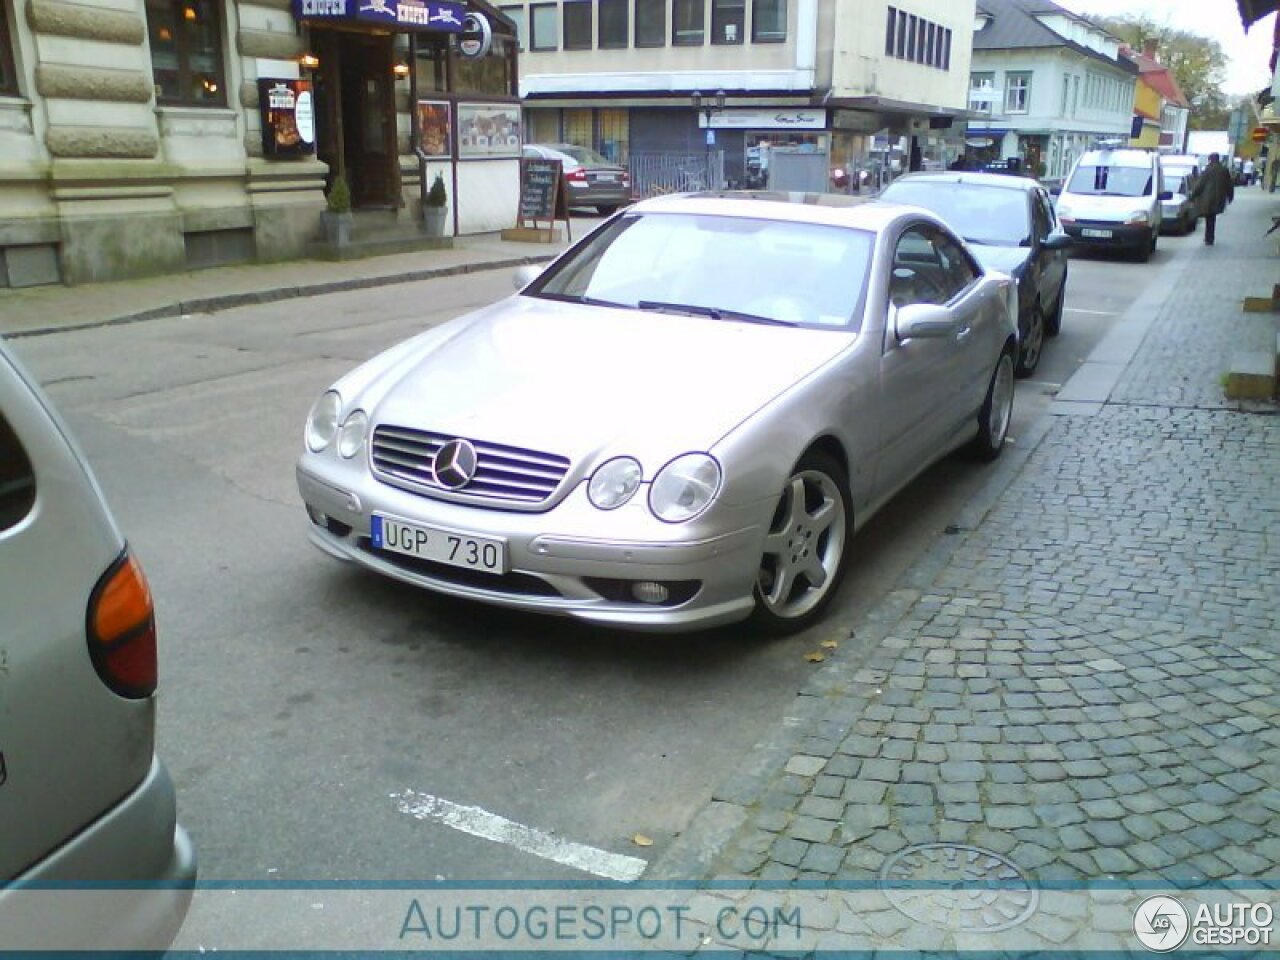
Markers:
(584, 156)
(732, 268)
(1111, 181)
(996, 216)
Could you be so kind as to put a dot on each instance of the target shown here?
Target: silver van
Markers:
(1112, 199)
(84, 802)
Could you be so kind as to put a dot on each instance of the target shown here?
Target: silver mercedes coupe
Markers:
(680, 423)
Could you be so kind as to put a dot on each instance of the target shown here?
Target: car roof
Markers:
(1119, 157)
(832, 209)
(1002, 181)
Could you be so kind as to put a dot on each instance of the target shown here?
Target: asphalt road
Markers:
(300, 696)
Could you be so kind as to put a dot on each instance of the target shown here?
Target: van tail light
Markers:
(577, 174)
(121, 629)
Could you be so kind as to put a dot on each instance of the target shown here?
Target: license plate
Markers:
(1100, 234)
(607, 177)
(442, 546)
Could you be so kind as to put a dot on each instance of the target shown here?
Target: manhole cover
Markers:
(957, 887)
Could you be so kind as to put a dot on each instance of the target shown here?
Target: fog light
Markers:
(646, 591)
(318, 518)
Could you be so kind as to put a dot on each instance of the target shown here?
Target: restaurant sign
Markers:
(288, 117)
(445, 16)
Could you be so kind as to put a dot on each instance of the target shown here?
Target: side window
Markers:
(919, 275)
(959, 269)
(1046, 210)
(17, 479)
(1040, 222)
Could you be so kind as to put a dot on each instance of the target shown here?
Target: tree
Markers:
(1197, 63)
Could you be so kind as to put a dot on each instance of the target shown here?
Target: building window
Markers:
(946, 49)
(577, 25)
(186, 52)
(900, 44)
(768, 21)
(651, 23)
(516, 15)
(613, 24)
(8, 75)
(688, 22)
(982, 92)
(1017, 92)
(889, 32)
(728, 21)
(544, 26)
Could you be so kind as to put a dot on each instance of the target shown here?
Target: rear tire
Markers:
(997, 410)
(606, 209)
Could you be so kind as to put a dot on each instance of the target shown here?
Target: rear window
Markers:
(1111, 181)
(17, 479)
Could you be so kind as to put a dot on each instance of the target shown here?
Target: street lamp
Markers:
(709, 106)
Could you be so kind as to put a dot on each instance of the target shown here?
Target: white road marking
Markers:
(1092, 313)
(481, 823)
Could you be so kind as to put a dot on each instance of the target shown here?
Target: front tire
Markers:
(1053, 320)
(1031, 344)
(997, 410)
(804, 550)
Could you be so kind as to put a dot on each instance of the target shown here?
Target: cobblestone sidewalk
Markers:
(1087, 685)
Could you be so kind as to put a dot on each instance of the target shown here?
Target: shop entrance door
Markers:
(369, 120)
(357, 137)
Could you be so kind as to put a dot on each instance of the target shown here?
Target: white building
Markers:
(817, 76)
(1051, 83)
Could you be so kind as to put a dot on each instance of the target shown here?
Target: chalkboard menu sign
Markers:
(541, 190)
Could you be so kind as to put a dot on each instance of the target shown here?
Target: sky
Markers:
(1247, 56)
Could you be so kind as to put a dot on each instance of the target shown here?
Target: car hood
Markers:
(1002, 259)
(585, 381)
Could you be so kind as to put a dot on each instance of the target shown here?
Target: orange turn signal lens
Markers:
(122, 630)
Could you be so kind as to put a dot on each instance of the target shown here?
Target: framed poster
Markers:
(288, 118)
(488, 130)
(433, 129)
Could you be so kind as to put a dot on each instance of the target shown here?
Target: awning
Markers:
(1251, 11)
(439, 16)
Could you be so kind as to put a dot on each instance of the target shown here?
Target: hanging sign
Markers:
(477, 36)
(288, 117)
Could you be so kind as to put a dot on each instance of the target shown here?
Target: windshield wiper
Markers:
(715, 313)
(583, 298)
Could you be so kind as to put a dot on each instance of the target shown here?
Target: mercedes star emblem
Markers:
(455, 464)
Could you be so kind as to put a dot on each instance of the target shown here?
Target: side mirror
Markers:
(1056, 241)
(1055, 190)
(526, 275)
(1166, 195)
(923, 321)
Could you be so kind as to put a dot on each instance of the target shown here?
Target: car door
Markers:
(920, 379)
(1051, 264)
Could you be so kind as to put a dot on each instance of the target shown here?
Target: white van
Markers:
(1112, 199)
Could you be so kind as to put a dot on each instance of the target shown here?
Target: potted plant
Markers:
(434, 207)
(337, 215)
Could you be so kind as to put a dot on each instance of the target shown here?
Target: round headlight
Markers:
(613, 484)
(684, 487)
(322, 424)
(1138, 216)
(351, 436)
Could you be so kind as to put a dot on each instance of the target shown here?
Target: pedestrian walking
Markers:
(1212, 192)
(1248, 171)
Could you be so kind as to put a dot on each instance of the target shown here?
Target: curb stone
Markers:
(231, 301)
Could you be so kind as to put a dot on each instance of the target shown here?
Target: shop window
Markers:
(186, 52)
(8, 75)
(493, 75)
(432, 74)
(651, 23)
(688, 23)
(768, 21)
(615, 137)
(613, 24)
(728, 21)
(544, 26)
(577, 24)
(516, 15)
(577, 126)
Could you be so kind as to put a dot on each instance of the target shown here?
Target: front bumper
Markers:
(1109, 234)
(558, 560)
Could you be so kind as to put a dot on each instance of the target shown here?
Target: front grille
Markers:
(502, 473)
